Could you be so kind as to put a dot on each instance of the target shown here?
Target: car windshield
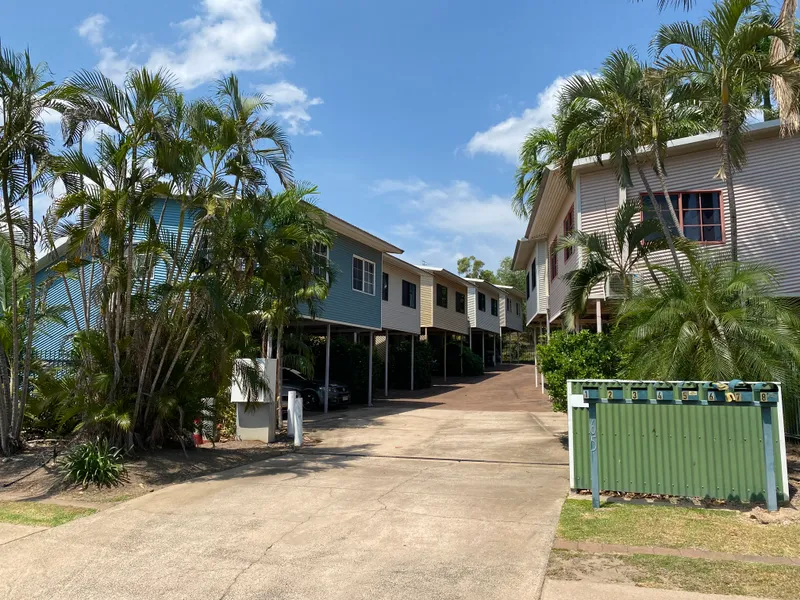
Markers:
(292, 375)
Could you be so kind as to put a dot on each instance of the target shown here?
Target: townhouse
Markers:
(767, 214)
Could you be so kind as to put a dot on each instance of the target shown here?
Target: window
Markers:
(385, 289)
(461, 303)
(699, 213)
(321, 261)
(508, 304)
(494, 306)
(553, 261)
(533, 275)
(481, 302)
(363, 275)
(441, 295)
(569, 227)
(527, 285)
(517, 308)
(409, 294)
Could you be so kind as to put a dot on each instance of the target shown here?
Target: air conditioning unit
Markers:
(618, 286)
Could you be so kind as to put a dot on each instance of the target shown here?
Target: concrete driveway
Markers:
(412, 499)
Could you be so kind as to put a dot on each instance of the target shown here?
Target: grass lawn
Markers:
(669, 572)
(40, 514)
(674, 527)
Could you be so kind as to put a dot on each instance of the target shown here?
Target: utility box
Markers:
(720, 440)
(255, 405)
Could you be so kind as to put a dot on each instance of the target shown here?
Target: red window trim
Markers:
(643, 199)
(569, 219)
(553, 261)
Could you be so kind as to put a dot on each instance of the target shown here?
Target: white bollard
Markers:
(294, 423)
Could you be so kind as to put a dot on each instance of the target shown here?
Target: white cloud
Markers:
(226, 36)
(291, 104)
(506, 137)
(451, 220)
(93, 28)
(229, 35)
(412, 185)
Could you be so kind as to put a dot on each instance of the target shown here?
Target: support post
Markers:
(470, 338)
(444, 354)
(547, 319)
(541, 375)
(327, 366)
(386, 367)
(494, 349)
(595, 470)
(501, 347)
(461, 357)
(412, 361)
(369, 389)
(599, 317)
(483, 348)
(535, 361)
(294, 423)
(769, 458)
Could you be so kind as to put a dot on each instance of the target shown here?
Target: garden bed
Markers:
(147, 471)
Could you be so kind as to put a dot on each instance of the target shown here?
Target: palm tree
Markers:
(721, 65)
(609, 257)
(25, 93)
(539, 150)
(723, 321)
(624, 111)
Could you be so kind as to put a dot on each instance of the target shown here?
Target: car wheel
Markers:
(310, 400)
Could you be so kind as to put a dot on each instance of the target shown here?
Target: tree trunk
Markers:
(728, 170)
(662, 176)
(14, 358)
(660, 217)
(787, 102)
(26, 368)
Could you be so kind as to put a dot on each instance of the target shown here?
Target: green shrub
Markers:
(473, 365)
(583, 355)
(400, 365)
(461, 361)
(93, 463)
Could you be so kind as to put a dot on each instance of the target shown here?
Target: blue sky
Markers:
(407, 115)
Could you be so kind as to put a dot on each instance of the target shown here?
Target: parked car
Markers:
(312, 390)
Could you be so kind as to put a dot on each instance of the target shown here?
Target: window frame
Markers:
(553, 261)
(364, 261)
(481, 302)
(494, 307)
(385, 286)
(463, 303)
(406, 292)
(440, 286)
(508, 304)
(327, 260)
(569, 227)
(533, 276)
(517, 308)
(680, 193)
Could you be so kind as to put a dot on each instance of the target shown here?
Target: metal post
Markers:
(483, 348)
(494, 349)
(369, 390)
(290, 412)
(355, 337)
(595, 471)
(386, 367)
(461, 357)
(547, 319)
(535, 361)
(501, 348)
(294, 422)
(444, 360)
(599, 317)
(327, 366)
(769, 457)
(412, 361)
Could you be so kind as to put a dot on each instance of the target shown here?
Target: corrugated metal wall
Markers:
(682, 450)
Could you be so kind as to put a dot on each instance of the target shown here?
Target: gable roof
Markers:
(445, 274)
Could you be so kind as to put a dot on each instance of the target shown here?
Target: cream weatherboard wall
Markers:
(766, 199)
(557, 287)
(510, 315)
(394, 315)
(483, 319)
(536, 297)
(436, 316)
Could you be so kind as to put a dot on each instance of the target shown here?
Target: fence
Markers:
(519, 347)
(691, 439)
